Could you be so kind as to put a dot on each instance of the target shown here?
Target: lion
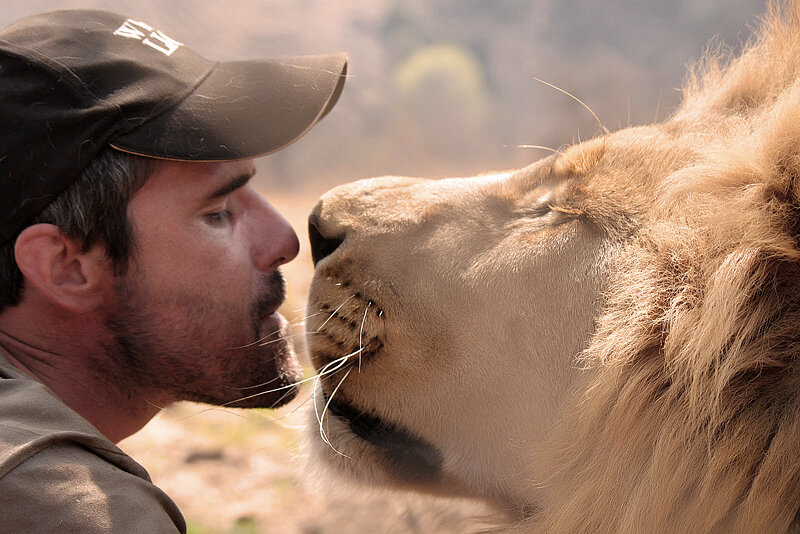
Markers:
(607, 340)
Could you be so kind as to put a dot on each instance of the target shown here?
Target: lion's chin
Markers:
(404, 455)
(373, 451)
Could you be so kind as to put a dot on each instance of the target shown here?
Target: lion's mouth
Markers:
(353, 330)
(408, 456)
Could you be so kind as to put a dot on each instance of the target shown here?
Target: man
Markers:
(137, 266)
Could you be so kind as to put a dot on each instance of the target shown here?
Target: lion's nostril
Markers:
(321, 246)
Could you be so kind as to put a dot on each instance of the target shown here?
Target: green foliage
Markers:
(195, 528)
(245, 525)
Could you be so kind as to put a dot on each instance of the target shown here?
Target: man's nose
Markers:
(274, 240)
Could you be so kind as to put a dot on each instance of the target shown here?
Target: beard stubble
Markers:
(200, 348)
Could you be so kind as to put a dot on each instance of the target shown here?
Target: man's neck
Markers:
(65, 356)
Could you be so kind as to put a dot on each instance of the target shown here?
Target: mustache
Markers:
(272, 297)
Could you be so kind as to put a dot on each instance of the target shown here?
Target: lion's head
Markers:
(605, 341)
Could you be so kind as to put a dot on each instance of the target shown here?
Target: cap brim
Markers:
(243, 109)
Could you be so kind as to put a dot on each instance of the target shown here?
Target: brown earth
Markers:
(243, 472)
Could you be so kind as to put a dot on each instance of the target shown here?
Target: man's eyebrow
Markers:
(232, 185)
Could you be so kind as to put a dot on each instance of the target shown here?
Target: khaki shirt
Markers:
(58, 474)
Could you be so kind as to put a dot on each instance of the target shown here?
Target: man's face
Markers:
(195, 314)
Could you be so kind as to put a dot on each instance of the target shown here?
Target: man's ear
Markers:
(54, 265)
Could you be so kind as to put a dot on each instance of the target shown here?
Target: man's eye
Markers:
(219, 217)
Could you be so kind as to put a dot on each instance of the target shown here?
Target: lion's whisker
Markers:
(322, 433)
(300, 404)
(278, 401)
(360, 334)
(324, 371)
(260, 340)
(196, 413)
(335, 312)
(629, 110)
(316, 409)
(300, 310)
(317, 387)
(288, 413)
(283, 338)
(578, 100)
(256, 342)
(658, 106)
(262, 384)
(304, 318)
(280, 338)
(209, 409)
(553, 150)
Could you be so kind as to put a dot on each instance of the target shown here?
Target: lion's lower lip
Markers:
(413, 456)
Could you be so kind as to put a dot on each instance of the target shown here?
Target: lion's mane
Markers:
(692, 423)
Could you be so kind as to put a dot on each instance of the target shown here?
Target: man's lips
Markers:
(270, 297)
(272, 325)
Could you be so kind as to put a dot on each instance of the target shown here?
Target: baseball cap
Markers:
(75, 81)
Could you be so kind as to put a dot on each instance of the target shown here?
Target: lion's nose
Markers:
(321, 245)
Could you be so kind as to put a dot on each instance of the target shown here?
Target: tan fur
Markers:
(675, 405)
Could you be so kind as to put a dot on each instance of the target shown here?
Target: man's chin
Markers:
(260, 390)
(267, 399)
(271, 374)
(280, 388)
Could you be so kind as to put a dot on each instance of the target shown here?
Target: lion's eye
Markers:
(537, 203)
(535, 210)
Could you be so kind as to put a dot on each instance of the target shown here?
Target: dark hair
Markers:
(91, 211)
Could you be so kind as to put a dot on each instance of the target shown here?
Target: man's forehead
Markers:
(200, 180)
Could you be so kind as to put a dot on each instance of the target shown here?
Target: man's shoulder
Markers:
(32, 418)
(67, 488)
(60, 474)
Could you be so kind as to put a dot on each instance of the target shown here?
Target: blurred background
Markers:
(436, 88)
